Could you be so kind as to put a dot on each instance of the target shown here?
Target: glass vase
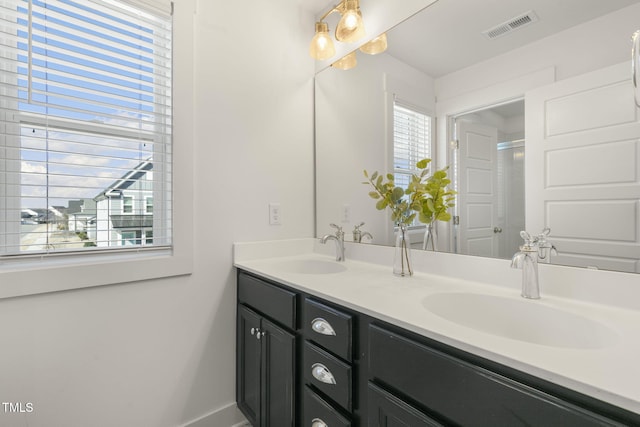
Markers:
(430, 242)
(402, 259)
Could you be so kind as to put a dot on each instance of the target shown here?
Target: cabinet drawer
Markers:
(386, 410)
(462, 393)
(329, 328)
(273, 301)
(319, 411)
(328, 374)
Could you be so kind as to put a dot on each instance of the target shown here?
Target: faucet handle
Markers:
(528, 240)
(357, 227)
(338, 229)
(546, 248)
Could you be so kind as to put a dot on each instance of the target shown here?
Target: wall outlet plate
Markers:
(275, 214)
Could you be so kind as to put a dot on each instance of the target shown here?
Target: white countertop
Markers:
(367, 285)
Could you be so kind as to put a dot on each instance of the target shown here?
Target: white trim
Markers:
(67, 273)
(227, 416)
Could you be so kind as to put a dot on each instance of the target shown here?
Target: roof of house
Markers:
(128, 179)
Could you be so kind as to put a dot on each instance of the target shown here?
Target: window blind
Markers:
(411, 140)
(85, 125)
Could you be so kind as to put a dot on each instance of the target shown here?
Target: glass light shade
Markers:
(346, 62)
(321, 46)
(375, 46)
(350, 28)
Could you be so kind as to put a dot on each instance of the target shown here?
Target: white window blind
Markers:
(411, 140)
(85, 125)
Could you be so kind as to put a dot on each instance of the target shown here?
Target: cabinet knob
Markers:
(253, 331)
(322, 374)
(317, 422)
(259, 334)
(322, 327)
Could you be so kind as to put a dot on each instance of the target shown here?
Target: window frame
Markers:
(38, 274)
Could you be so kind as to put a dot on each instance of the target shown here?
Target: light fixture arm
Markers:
(337, 8)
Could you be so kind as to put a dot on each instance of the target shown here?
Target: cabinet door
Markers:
(386, 410)
(248, 364)
(278, 376)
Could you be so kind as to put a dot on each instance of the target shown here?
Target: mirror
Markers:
(462, 61)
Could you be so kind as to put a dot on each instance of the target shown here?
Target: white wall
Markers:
(162, 352)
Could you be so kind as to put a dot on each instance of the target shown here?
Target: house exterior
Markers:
(124, 211)
(81, 216)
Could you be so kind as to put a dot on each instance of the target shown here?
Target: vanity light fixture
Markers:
(350, 29)
(347, 62)
(322, 47)
(375, 46)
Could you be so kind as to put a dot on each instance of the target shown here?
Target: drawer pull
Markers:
(322, 327)
(322, 374)
(317, 422)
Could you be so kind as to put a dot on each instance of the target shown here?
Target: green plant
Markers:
(437, 198)
(427, 197)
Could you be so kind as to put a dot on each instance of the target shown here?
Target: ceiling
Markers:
(426, 40)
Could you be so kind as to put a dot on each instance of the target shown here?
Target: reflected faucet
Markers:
(338, 237)
(535, 248)
(359, 234)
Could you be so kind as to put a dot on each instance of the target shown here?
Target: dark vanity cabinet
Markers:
(303, 361)
(266, 353)
(432, 386)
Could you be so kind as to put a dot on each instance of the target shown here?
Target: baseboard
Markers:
(227, 416)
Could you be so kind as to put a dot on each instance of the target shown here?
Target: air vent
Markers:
(512, 24)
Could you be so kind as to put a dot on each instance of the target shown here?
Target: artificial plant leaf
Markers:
(397, 194)
(423, 163)
(443, 216)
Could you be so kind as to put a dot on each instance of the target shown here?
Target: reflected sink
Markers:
(522, 320)
(312, 266)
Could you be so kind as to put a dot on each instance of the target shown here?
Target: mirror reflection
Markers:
(530, 104)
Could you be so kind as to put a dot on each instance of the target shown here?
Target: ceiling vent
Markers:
(512, 24)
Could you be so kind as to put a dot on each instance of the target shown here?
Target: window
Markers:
(411, 141)
(85, 117)
(127, 204)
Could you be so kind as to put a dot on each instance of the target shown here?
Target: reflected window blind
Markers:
(411, 140)
(85, 125)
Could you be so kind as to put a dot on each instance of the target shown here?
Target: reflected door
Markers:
(582, 133)
(477, 189)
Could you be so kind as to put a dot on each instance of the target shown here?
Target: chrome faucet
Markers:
(359, 234)
(338, 237)
(535, 248)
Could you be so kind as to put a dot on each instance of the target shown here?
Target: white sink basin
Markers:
(312, 266)
(520, 319)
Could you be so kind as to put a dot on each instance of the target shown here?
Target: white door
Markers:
(477, 189)
(582, 168)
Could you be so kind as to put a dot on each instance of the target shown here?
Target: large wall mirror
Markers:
(529, 102)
